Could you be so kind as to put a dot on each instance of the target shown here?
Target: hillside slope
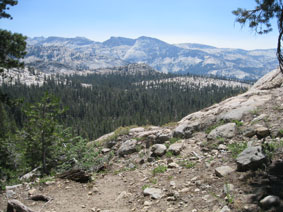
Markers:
(189, 166)
(64, 55)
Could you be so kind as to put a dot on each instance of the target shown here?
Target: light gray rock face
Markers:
(176, 148)
(224, 131)
(236, 114)
(158, 150)
(128, 147)
(251, 158)
(233, 108)
(269, 201)
(223, 171)
(273, 79)
(154, 193)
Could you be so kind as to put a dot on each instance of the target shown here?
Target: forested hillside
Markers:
(98, 104)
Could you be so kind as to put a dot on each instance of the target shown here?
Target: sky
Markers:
(208, 22)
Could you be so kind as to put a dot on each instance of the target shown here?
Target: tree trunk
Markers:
(279, 53)
(44, 171)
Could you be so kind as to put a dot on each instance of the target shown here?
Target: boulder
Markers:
(162, 137)
(154, 193)
(251, 158)
(276, 168)
(269, 201)
(105, 150)
(128, 147)
(249, 132)
(176, 148)
(158, 150)
(262, 131)
(223, 171)
(224, 131)
(181, 130)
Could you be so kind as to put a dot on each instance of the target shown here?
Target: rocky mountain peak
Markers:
(81, 53)
(119, 41)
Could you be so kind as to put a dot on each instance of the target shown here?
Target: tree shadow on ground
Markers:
(267, 182)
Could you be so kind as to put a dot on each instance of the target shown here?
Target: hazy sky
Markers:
(173, 21)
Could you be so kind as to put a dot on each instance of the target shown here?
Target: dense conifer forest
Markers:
(99, 103)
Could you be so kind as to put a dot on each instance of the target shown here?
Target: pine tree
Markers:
(259, 19)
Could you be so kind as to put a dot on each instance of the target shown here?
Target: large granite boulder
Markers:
(228, 130)
(128, 147)
(251, 158)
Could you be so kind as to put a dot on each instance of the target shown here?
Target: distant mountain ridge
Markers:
(57, 54)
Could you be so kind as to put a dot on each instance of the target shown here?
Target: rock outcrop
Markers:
(231, 109)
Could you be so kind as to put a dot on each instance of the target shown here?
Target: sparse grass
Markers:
(187, 164)
(278, 108)
(174, 140)
(210, 145)
(139, 147)
(141, 154)
(124, 170)
(169, 154)
(153, 180)
(237, 148)
(272, 147)
(170, 177)
(46, 179)
(159, 169)
(210, 159)
(138, 139)
(254, 112)
(220, 140)
(229, 195)
(238, 123)
(170, 124)
(145, 186)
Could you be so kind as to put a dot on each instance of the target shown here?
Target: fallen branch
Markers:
(17, 206)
